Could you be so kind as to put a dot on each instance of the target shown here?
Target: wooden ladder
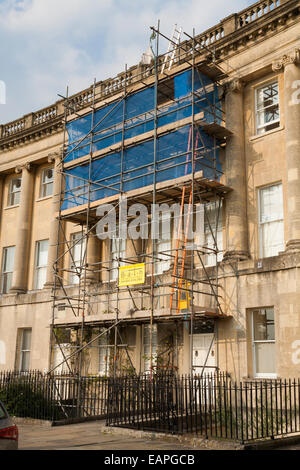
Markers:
(179, 231)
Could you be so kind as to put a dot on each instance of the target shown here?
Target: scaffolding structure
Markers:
(160, 142)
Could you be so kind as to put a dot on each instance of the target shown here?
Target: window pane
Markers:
(210, 259)
(78, 244)
(48, 175)
(118, 248)
(264, 329)
(79, 248)
(272, 238)
(6, 282)
(26, 340)
(25, 361)
(14, 192)
(41, 264)
(7, 269)
(271, 201)
(163, 245)
(163, 262)
(268, 95)
(213, 218)
(42, 253)
(41, 276)
(47, 182)
(267, 108)
(9, 255)
(271, 220)
(265, 358)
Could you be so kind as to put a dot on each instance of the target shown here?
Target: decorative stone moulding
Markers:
(231, 256)
(27, 166)
(53, 156)
(287, 59)
(236, 85)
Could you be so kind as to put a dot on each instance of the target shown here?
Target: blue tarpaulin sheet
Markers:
(134, 168)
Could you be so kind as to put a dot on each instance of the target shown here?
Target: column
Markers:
(2, 180)
(235, 172)
(290, 65)
(93, 256)
(20, 275)
(54, 238)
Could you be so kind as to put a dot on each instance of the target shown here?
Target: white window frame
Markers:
(14, 194)
(40, 268)
(162, 261)
(116, 252)
(265, 375)
(211, 258)
(74, 278)
(163, 246)
(262, 128)
(5, 272)
(24, 351)
(46, 183)
(261, 224)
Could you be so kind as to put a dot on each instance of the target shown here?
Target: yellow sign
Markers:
(185, 299)
(132, 275)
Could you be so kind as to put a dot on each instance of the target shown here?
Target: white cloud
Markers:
(50, 44)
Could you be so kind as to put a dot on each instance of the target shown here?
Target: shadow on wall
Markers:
(2, 353)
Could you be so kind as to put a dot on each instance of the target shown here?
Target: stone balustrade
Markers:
(80, 100)
(13, 127)
(112, 85)
(211, 36)
(256, 11)
(44, 115)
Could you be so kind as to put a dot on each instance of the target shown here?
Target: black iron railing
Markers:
(40, 396)
(213, 406)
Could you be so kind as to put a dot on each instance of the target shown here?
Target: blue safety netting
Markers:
(112, 173)
(134, 116)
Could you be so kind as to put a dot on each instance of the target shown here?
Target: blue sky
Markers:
(49, 44)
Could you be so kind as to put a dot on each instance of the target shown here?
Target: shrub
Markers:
(26, 400)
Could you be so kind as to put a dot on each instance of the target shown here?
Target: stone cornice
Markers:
(31, 134)
(287, 59)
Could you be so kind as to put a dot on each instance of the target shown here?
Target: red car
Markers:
(8, 431)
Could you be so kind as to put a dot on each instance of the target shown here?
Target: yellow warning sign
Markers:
(132, 275)
(185, 299)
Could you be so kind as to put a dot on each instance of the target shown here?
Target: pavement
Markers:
(88, 436)
(95, 435)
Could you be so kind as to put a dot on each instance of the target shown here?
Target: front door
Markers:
(204, 353)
